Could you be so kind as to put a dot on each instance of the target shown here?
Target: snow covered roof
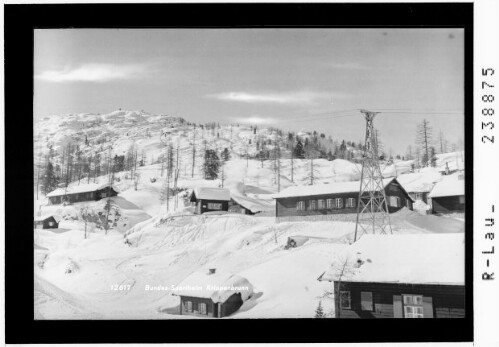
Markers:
(407, 258)
(78, 188)
(419, 181)
(324, 189)
(252, 204)
(42, 218)
(450, 185)
(217, 286)
(210, 193)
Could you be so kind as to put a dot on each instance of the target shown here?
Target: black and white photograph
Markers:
(249, 173)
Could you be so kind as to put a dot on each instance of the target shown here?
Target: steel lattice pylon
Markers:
(372, 207)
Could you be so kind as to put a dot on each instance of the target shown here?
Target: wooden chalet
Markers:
(212, 294)
(81, 193)
(400, 276)
(334, 198)
(210, 199)
(448, 195)
(45, 222)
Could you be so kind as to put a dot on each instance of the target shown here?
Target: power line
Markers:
(425, 113)
(417, 110)
(318, 116)
(353, 113)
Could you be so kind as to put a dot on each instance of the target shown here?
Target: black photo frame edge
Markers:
(21, 20)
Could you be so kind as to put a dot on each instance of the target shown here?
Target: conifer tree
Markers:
(319, 312)
(423, 140)
(50, 180)
(225, 155)
(211, 164)
(299, 151)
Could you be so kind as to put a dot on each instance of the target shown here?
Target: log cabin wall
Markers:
(446, 301)
(287, 207)
(448, 204)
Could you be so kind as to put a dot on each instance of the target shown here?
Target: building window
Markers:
(214, 206)
(188, 306)
(202, 308)
(417, 196)
(366, 301)
(329, 203)
(312, 205)
(300, 206)
(321, 204)
(413, 306)
(103, 195)
(461, 199)
(345, 301)
(351, 202)
(338, 203)
(394, 201)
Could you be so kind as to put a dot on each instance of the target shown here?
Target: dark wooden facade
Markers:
(214, 310)
(47, 223)
(448, 204)
(208, 205)
(387, 300)
(83, 196)
(287, 207)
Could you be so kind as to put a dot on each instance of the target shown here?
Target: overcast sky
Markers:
(296, 79)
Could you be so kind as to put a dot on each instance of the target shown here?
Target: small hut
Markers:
(212, 294)
(45, 222)
(209, 199)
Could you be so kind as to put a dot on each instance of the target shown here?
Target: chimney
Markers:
(211, 271)
(359, 260)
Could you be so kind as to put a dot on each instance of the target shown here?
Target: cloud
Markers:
(94, 73)
(276, 98)
(255, 119)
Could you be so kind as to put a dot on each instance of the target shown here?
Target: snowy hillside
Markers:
(147, 135)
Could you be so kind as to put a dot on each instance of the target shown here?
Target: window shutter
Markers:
(397, 306)
(427, 307)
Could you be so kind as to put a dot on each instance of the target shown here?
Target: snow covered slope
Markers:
(163, 253)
